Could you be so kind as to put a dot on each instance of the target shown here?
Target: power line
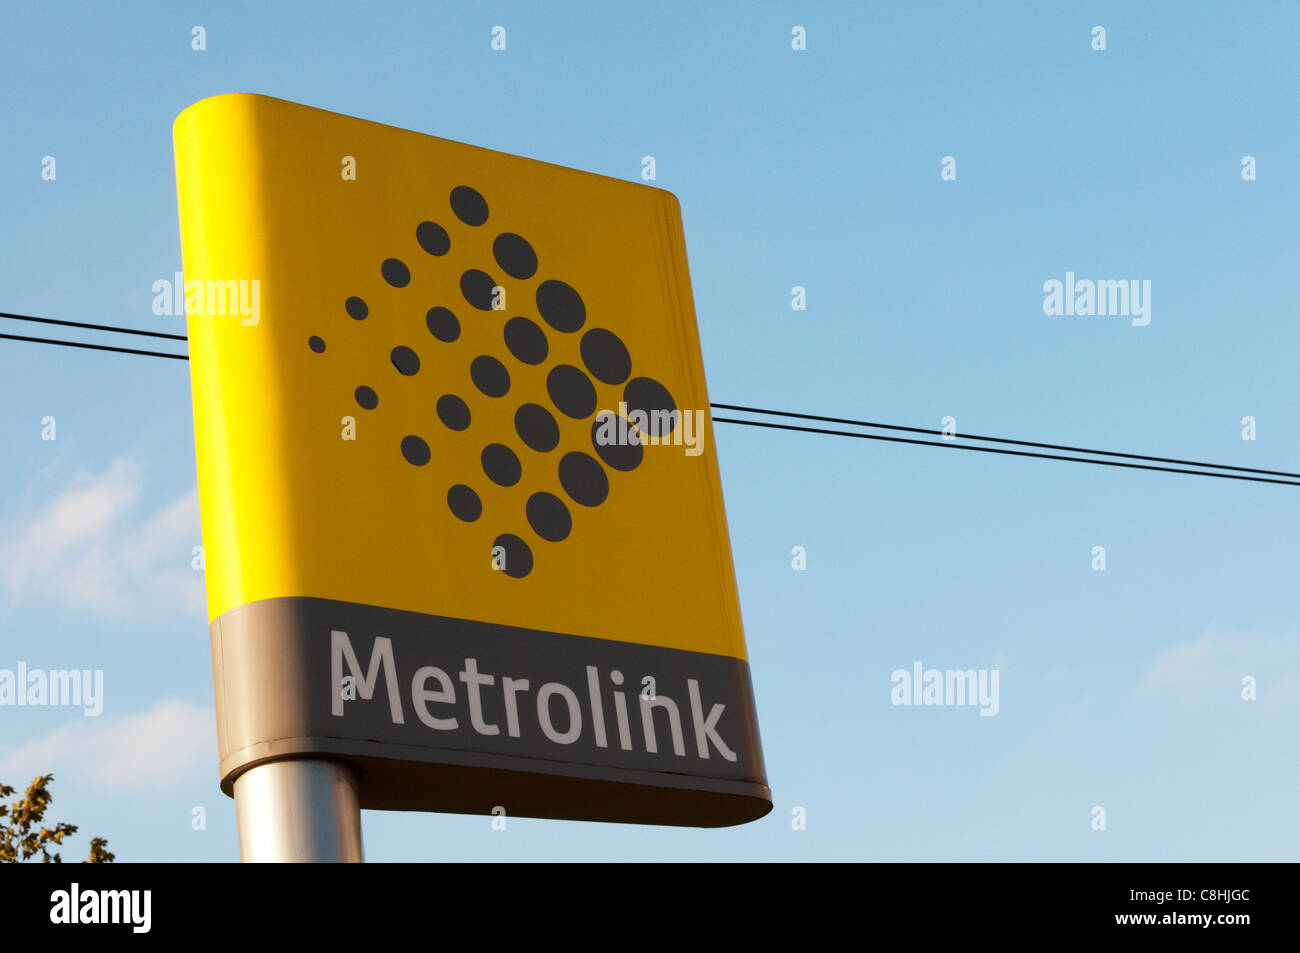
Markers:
(92, 327)
(1019, 443)
(1014, 453)
(93, 347)
(1211, 471)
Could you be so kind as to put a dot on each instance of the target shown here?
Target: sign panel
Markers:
(461, 510)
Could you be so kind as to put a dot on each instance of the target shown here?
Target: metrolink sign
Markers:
(425, 555)
(533, 723)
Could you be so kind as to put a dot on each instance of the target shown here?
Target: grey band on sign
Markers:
(458, 716)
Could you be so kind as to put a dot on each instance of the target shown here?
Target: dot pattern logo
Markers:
(556, 434)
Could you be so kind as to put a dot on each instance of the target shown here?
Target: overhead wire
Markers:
(949, 441)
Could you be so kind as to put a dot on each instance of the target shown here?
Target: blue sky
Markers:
(819, 168)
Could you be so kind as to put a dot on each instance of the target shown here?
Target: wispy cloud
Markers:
(171, 746)
(95, 547)
(1214, 664)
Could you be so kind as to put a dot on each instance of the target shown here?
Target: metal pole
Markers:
(298, 810)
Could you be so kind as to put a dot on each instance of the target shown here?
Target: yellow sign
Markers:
(439, 387)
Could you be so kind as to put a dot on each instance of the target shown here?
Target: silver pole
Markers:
(298, 810)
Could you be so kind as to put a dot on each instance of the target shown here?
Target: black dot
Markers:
(623, 450)
(357, 308)
(501, 465)
(367, 398)
(405, 360)
(395, 273)
(316, 343)
(605, 356)
(537, 428)
(571, 391)
(517, 557)
(515, 256)
(470, 207)
(477, 287)
(489, 375)
(548, 517)
(453, 412)
(464, 503)
(560, 306)
(433, 238)
(652, 398)
(415, 450)
(442, 324)
(526, 340)
(583, 479)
